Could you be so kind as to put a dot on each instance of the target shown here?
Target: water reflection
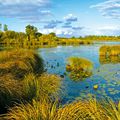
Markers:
(109, 60)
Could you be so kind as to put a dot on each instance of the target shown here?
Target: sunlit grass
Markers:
(79, 67)
(77, 110)
(110, 50)
(19, 62)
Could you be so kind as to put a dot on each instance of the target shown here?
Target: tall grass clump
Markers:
(77, 110)
(10, 91)
(110, 50)
(79, 68)
(43, 87)
(34, 111)
(19, 62)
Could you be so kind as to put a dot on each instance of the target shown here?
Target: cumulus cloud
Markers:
(52, 24)
(27, 10)
(109, 8)
(70, 18)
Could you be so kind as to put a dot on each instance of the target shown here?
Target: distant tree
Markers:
(0, 26)
(38, 34)
(5, 27)
(52, 34)
(73, 37)
(31, 31)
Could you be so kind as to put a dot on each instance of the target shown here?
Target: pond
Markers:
(106, 75)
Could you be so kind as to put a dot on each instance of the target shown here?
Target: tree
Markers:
(0, 26)
(5, 27)
(31, 31)
(52, 34)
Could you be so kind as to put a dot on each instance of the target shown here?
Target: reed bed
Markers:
(110, 50)
(79, 68)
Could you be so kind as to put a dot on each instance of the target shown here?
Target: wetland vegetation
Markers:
(74, 80)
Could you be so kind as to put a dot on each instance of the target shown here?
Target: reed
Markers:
(110, 50)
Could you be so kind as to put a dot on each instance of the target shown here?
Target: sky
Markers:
(64, 17)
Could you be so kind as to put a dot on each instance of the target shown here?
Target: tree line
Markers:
(32, 37)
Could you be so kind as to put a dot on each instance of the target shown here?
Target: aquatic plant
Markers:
(110, 50)
(79, 68)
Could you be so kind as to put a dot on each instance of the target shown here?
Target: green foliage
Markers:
(5, 27)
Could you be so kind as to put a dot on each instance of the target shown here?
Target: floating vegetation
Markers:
(95, 87)
(110, 73)
(79, 68)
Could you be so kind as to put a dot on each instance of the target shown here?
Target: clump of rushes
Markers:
(79, 68)
(34, 111)
(10, 91)
(44, 87)
(78, 110)
(20, 62)
(110, 50)
(41, 87)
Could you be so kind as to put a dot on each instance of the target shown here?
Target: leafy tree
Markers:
(31, 31)
(0, 26)
(52, 34)
(5, 27)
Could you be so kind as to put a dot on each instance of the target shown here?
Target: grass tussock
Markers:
(78, 110)
(41, 87)
(110, 50)
(79, 68)
(19, 62)
(21, 79)
(44, 87)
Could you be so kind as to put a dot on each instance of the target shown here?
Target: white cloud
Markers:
(70, 18)
(109, 8)
(13, 2)
(26, 10)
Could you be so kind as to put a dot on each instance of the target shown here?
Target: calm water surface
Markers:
(105, 75)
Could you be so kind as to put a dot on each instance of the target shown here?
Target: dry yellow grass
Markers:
(78, 110)
(20, 62)
(110, 50)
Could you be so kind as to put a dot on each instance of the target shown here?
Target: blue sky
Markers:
(64, 17)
